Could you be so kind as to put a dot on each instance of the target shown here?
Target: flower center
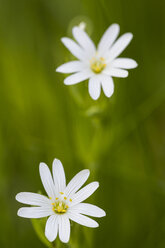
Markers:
(97, 64)
(60, 207)
(61, 204)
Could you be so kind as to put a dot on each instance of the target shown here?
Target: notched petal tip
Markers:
(67, 81)
(42, 166)
(63, 39)
(129, 35)
(95, 225)
(58, 69)
(19, 213)
(96, 184)
(126, 74)
(99, 212)
(57, 164)
(127, 38)
(135, 64)
(102, 213)
(50, 239)
(109, 94)
(65, 241)
(18, 197)
(116, 25)
(75, 29)
(87, 171)
(56, 160)
(94, 97)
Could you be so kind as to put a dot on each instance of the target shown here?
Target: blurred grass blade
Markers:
(39, 227)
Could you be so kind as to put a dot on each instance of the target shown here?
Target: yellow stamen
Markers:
(97, 64)
(56, 198)
(60, 207)
(63, 211)
(61, 193)
(65, 197)
(70, 200)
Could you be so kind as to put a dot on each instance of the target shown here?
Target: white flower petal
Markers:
(75, 49)
(124, 63)
(116, 72)
(77, 181)
(108, 38)
(34, 212)
(47, 180)
(77, 77)
(59, 176)
(94, 87)
(84, 193)
(85, 42)
(70, 67)
(64, 228)
(51, 228)
(119, 46)
(108, 85)
(88, 209)
(32, 199)
(82, 220)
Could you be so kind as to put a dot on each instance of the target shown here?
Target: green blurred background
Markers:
(121, 139)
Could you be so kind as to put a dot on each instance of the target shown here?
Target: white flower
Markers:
(98, 65)
(63, 202)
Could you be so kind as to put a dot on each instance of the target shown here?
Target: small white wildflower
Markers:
(63, 202)
(98, 65)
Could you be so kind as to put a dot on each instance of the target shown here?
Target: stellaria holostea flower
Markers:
(63, 202)
(98, 65)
